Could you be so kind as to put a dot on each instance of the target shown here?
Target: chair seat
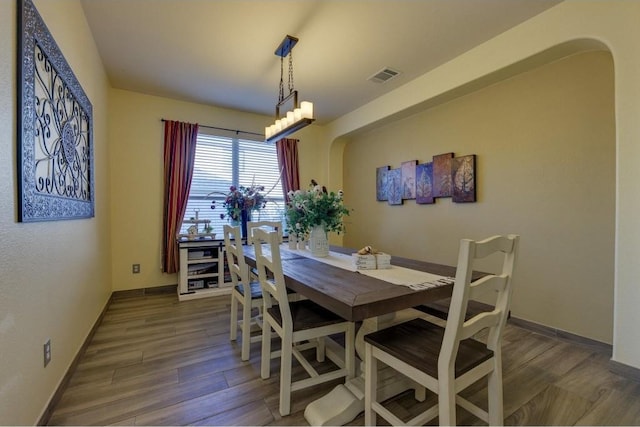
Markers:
(440, 308)
(434, 309)
(307, 315)
(417, 343)
(256, 291)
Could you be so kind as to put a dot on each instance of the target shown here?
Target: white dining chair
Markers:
(295, 322)
(244, 292)
(447, 360)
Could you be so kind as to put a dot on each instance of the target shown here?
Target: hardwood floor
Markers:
(156, 361)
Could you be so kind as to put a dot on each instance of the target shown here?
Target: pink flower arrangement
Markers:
(240, 199)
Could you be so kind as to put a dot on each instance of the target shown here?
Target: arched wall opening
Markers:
(551, 120)
(611, 23)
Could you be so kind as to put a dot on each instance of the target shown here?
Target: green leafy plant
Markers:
(315, 207)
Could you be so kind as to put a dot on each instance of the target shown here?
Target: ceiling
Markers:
(221, 52)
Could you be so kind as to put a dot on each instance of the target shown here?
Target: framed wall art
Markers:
(445, 176)
(463, 173)
(409, 179)
(424, 184)
(394, 186)
(442, 175)
(55, 129)
(381, 183)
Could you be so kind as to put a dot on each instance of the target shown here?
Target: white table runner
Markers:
(413, 279)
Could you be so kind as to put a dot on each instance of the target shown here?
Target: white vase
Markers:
(293, 241)
(318, 242)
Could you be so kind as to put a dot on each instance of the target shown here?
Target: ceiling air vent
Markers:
(384, 75)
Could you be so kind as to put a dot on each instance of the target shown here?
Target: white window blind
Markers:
(222, 162)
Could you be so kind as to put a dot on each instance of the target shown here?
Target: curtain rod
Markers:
(228, 130)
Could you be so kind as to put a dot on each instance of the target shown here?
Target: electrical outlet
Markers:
(47, 352)
(135, 268)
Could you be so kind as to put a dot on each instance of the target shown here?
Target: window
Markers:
(222, 162)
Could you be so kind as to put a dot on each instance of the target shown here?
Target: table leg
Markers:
(346, 401)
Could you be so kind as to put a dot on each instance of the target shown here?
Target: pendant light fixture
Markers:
(301, 114)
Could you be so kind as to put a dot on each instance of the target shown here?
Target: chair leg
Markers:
(234, 319)
(496, 416)
(320, 349)
(370, 385)
(285, 376)
(350, 350)
(447, 401)
(265, 368)
(246, 330)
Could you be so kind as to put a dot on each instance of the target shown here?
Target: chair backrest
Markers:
(267, 247)
(457, 328)
(267, 225)
(235, 258)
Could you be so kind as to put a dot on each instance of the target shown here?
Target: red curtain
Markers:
(287, 150)
(179, 154)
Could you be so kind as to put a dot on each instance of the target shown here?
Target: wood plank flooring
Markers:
(156, 361)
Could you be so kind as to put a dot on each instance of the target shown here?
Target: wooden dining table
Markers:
(355, 297)
(350, 294)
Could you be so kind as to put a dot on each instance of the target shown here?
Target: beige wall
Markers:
(54, 276)
(135, 147)
(545, 146)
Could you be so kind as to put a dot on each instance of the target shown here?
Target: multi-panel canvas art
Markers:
(444, 176)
